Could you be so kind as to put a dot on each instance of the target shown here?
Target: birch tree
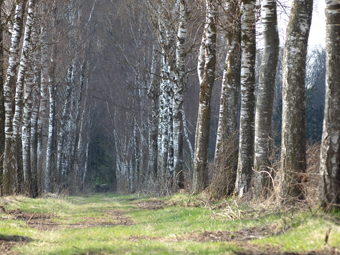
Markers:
(50, 149)
(9, 173)
(34, 122)
(293, 146)
(178, 95)
(2, 105)
(153, 130)
(246, 141)
(206, 73)
(227, 133)
(265, 99)
(329, 195)
(19, 103)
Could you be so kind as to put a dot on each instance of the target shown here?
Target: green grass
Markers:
(162, 231)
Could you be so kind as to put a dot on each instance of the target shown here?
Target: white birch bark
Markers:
(77, 122)
(9, 174)
(19, 103)
(265, 100)
(246, 140)
(135, 170)
(34, 122)
(44, 98)
(51, 150)
(86, 160)
(186, 135)
(163, 146)
(153, 130)
(178, 95)
(206, 78)
(170, 163)
(26, 132)
(2, 104)
(118, 160)
(293, 145)
(329, 195)
(226, 138)
(61, 164)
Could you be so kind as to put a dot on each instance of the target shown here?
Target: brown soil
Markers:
(8, 242)
(150, 205)
(44, 221)
(111, 218)
(41, 221)
(246, 249)
(226, 236)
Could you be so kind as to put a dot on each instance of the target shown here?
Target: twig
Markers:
(327, 236)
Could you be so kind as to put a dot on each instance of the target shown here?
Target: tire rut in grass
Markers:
(110, 218)
(150, 205)
(41, 221)
(8, 242)
(44, 221)
(226, 236)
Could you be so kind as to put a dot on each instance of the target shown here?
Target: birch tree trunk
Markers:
(153, 130)
(246, 143)
(42, 129)
(178, 95)
(19, 103)
(77, 123)
(34, 125)
(207, 78)
(329, 195)
(61, 164)
(226, 141)
(163, 146)
(51, 150)
(26, 133)
(9, 173)
(2, 105)
(136, 169)
(293, 147)
(265, 100)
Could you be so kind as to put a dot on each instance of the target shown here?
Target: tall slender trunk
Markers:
(226, 140)
(77, 122)
(186, 135)
(265, 100)
(26, 132)
(163, 146)
(293, 145)
(178, 95)
(207, 78)
(329, 195)
(2, 105)
(246, 141)
(61, 164)
(51, 150)
(9, 174)
(153, 130)
(170, 163)
(136, 169)
(42, 129)
(19, 102)
(34, 124)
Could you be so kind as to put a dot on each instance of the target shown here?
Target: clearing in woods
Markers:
(180, 224)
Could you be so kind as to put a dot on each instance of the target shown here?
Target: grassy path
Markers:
(115, 224)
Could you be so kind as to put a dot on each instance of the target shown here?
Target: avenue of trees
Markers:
(162, 95)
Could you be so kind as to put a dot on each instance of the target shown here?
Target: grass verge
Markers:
(180, 224)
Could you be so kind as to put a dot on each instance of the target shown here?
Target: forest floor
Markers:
(179, 224)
